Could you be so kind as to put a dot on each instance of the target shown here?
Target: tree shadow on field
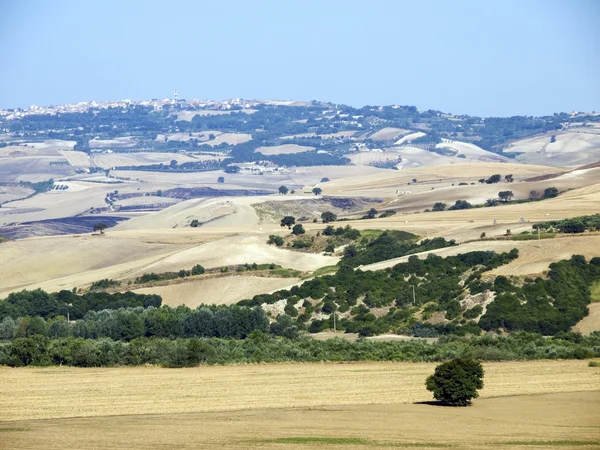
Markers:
(438, 403)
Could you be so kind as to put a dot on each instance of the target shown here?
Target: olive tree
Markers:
(456, 382)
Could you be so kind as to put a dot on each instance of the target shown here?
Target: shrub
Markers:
(456, 382)
(198, 270)
(194, 223)
(439, 206)
(274, 239)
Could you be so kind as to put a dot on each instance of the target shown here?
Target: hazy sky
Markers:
(474, 57)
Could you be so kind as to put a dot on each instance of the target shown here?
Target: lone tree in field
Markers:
(317, 191)
(509, 178)
(505, 196)
(283, 190)
(439, 206)
(288, 221)
(100, 227)
(456, 382)
(221, 180)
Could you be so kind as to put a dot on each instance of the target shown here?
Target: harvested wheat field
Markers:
(364, 405)
(217, 291)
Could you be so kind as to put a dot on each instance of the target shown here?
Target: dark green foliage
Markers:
(195, 223)
(317, 191)
(505, 196)
(298, 229)
(574, 225)
(260, 347)
(288, 221)
(460, 204)
(439, 206)
(474, 312)
(456, 382)
(550, 192)
(283, 190)
(198, 270)
(100, 227)
(276, 240)
(391, 244)
(221, 180)
(43, 304)
(104, 284)
(493, 179)
(544, 306)
(328, 216)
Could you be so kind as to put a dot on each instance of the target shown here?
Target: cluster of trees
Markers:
(48, 305)
(126, 324)
(190, 166)
(574, 225)
(390, 244)
(260, 347)
(150, 277)
(405, 287)
(545, 306)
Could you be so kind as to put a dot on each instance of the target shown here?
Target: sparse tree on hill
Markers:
(328, 216)
(298, 229)
(550, 192)
(221, 180)
(283, 190)
(456, 382)
(100, 227)
(317, 191)
(439, 206)
(509, 178)
(288, 221)
(372, 213)
(494, 179)
(553, 139)
(533, 195)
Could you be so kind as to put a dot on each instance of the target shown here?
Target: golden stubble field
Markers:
(361, 405)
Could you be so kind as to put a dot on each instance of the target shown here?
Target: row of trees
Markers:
(260, 347)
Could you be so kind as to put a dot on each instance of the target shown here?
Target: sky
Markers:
(484, 57)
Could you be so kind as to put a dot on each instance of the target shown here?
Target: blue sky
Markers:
(486, 57)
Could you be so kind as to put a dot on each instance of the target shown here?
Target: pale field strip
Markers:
(285, 149)
(217, 291)
(55, 392)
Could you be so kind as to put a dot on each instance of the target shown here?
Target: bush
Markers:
(277, 240)
(298, 229)
(456, 382)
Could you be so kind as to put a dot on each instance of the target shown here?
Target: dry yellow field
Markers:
(364, 405)
(217, 291)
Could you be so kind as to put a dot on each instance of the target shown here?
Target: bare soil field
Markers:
(9, 192)
(574, 147)
(218, 291)
(285, 149)
(590, 323)
(544, 403)
(388, 134)
(229, 138)
(109, 160)
(189, 115)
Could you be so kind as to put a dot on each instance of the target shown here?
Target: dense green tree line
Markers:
(130, 323)
(574, 225)
(46, 305)
(544, 305)
(259, 348)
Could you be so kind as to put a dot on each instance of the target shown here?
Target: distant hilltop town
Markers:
(232, 104)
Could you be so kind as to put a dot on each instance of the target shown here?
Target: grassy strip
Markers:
(595, 292)
(551, 443)
(325, 270)
(303, 440)
(532, 236)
